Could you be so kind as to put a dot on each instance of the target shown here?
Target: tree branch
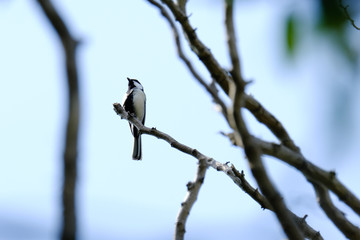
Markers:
(191, 197)
(348, 15)
(312, 172)
(251, 148)
(72, 128)
(210, 89)
(270, 121)
(206, 57)
(231, 40)
(234, 86)
(335, 215)
(238, 178)
(307, 230)
(221, 76)
(253, 154)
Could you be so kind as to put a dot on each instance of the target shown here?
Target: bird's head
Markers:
(133, 83)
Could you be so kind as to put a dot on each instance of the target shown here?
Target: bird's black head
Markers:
(133, 83)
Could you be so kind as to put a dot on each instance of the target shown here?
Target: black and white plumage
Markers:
(135, 103)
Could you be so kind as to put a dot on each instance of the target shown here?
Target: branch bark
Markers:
(270, 121)
(312, 172)
(237, 177)
(204, 54)
(233, 85)
(222, 78)
(210, 88)
(190, 199)
(307, 230)
(345, 9)
(334, 214)
(69, 44)
(251, 148)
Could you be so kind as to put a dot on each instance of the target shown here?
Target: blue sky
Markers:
(119, 198)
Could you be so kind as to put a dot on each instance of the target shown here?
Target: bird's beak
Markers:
(128, 79)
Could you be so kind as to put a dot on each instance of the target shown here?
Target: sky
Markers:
(313, 96)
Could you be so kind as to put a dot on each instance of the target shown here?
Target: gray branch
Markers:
(251, 148)
(233, 85)
(210, 88)
(204, 54)
(334, 214)
(312, 172)
(191, 197)
(345, 9)
(72, 128)
(237, 177)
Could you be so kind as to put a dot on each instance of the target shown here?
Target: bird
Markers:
(135, 103)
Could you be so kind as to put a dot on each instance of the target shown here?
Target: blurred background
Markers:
(303, 58)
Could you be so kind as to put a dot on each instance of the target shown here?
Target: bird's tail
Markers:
(137, 148)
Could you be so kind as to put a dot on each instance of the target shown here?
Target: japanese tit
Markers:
(135, 103)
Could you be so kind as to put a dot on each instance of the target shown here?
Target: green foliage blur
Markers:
(333, 21)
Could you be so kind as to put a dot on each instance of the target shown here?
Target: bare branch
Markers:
(307, 230)
(312, 172)
(258, 170)
(269, 120)
(72, 129)
(251, 148)
(237, 177)
(335, 215)
(221, 76)
(348, 15)
(206, 57)
(231, 39)
(234, 87)
(212, 90)
(182, 5)
(191, 197)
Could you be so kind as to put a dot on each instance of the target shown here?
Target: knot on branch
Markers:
(194, 152)
(303, 219)
(201, 180)
(190, 185)
(332, 175)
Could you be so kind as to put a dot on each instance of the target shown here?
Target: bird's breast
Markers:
(139, 99)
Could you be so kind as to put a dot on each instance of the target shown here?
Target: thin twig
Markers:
(231, 40)
(191, 197)
(72, 129)
(210, 89)
(345, 8)
(204, 54)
